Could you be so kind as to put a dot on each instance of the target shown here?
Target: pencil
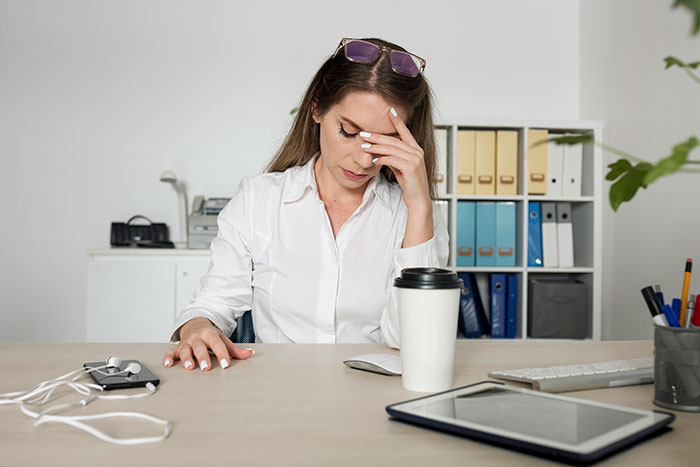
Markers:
(686, 286)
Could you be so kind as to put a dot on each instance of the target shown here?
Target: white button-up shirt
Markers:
(275, 254)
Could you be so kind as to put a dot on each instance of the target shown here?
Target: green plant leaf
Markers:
(293, 111)
(671, 61)
(618, 168)
(626, 187)
(672, 163)
(694, 7)
(568, 140)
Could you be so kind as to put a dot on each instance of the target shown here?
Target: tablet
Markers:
(549, 425)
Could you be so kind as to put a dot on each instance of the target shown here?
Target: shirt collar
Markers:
(303, 177)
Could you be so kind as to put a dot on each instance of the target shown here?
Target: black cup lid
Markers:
(428, 278)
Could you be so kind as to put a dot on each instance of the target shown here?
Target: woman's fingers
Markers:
(170, 357)
(186, 356)
(217, 345)
(201, 353)
(237, 352)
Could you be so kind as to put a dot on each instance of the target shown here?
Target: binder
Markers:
(534, 236)
(472, 320)
(565, 235)
(555, 168)
(536, 163)
(486, 233)
(550, 242)
(485, 167)
(498, 305)
(505, 234)
(441, 169)
(511, 305)
(466, 233)
(466, 147)
(573, 161)
(507, 162)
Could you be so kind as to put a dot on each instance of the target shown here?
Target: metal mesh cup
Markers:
(677, 368)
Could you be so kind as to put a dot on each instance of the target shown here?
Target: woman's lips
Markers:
(353, 175)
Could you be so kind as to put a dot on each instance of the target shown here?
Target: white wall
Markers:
(646, 111)
(98, 98)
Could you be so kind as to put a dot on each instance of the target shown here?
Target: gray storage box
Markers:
(557, 308)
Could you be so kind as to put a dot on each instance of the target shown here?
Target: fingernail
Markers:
(203, 365)
(366, 146)
(364, 134)
(393, 112)
(166, 362)
(252, 351)
(224, 363)
(188, 364)
(375, 160)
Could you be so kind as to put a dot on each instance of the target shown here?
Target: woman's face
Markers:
(341, 155)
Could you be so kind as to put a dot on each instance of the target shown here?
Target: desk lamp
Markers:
(169, 177)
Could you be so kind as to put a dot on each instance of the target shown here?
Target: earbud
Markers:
(133, 368)
(113, 362)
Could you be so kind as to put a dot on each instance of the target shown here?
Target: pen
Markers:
(654, 306)
(670, 316)
(695, 320)
(676, 308)
(689, 311)
(657, 289)
(686, 285)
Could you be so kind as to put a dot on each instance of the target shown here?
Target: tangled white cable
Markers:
(40, 394)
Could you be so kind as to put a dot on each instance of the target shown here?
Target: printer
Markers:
(201, 223)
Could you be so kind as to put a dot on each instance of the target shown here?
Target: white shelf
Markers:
(586, 213)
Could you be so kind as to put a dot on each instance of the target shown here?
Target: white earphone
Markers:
(40, 394)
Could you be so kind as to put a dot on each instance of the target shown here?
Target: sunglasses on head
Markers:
(403, 63)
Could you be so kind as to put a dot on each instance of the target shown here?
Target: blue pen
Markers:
(676, 308)
(657, 289)
(670, 316)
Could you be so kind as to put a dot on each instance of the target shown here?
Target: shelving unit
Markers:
(586, 212)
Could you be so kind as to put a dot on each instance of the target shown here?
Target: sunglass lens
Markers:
(405, 63)
(361, 51)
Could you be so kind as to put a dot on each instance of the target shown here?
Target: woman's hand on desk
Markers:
(197, 336)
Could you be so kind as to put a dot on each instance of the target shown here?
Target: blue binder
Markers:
(486, 233)
(534, 236)
(472, 317)
(465, 233)
(498, 305)
(505, 234)
(511, 305)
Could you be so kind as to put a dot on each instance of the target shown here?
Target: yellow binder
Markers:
(506, 162)
(485, 163)
(537, 163)
(466, 145)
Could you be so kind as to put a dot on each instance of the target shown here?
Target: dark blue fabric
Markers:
(245, 331)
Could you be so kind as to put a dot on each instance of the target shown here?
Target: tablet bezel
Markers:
(592, 449)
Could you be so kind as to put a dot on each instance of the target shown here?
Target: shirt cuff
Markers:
(419, 256)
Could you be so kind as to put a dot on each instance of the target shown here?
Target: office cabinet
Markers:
(134, 295)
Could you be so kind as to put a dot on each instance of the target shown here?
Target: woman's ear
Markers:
(314, 114)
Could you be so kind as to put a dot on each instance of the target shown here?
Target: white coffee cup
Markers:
(428, 303)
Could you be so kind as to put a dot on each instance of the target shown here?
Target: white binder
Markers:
(573, 161)
(555, 168)
(550, 242)
(441, 169)
(565, 235)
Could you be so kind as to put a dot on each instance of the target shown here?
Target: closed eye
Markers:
(346, 134)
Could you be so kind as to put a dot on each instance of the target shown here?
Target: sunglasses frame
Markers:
(381, 48)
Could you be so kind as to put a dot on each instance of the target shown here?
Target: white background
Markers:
(98, 98)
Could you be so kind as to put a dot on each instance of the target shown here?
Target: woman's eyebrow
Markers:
(395, 134)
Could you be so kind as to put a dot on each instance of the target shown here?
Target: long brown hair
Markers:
(338, 77)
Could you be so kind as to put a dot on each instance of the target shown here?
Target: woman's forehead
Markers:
(368, 112)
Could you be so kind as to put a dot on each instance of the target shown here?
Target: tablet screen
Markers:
(562, 421)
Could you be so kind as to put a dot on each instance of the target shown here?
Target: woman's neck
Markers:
(331, 192)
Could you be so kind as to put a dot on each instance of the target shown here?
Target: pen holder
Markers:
(677, 368)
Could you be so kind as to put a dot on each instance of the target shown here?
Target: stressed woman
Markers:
(312, 246)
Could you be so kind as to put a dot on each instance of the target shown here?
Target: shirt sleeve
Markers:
(225, 291)
(432, 253)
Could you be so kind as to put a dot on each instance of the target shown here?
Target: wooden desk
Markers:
(297, 404)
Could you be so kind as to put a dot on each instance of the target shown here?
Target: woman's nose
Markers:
(363, 159)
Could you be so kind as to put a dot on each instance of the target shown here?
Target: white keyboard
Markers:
(583, 376)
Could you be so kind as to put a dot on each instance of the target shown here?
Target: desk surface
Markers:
(297, 404)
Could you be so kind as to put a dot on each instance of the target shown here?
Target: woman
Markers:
(313, 245)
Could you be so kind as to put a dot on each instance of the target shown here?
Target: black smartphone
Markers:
(110, 378)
